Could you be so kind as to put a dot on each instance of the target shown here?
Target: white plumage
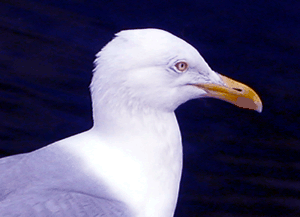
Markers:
(130, 162)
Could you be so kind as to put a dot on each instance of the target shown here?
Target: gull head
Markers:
(153, 69)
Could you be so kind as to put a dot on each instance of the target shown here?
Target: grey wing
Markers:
(60, 204)
(22, 196)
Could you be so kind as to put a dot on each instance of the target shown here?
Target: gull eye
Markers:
(181, 66)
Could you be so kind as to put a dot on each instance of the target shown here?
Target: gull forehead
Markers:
(142, 37)
(149, 47)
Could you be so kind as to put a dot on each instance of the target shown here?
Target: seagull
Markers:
(129, 163)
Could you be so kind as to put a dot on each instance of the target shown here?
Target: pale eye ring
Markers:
(181, 66)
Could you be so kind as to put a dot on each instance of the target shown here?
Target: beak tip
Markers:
(259, 109)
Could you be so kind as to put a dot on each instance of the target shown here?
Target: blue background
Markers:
(236, 162)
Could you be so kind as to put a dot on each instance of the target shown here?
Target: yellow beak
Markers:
(234, 92)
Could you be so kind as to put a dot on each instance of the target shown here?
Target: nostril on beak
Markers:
(237, 89)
